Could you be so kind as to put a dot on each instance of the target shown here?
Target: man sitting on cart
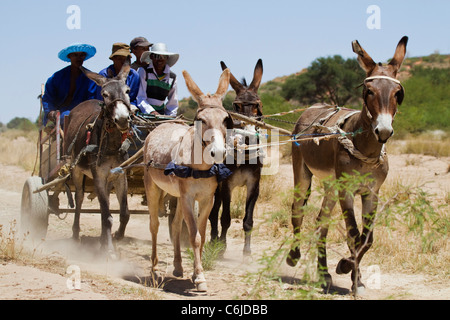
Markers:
(158, 84)
(121, 54)
(68, 87)
(138, 46)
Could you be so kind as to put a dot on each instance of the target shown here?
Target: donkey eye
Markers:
(369, 92)
(105, 94)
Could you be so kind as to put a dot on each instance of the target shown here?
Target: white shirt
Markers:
(146, 104)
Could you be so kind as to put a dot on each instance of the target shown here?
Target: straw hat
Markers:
(77, 47)
(120, 49)
(161, 49)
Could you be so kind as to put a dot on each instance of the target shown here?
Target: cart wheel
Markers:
(34, 209)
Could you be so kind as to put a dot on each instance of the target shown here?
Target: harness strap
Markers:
(348, 144)
(382, 77)
(219, 170)
(69, 149)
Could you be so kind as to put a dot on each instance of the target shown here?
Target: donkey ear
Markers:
(365, 61)
(109, 73)
(223, 65)
(192, 86)
(399, 54)
(98, 79)
(235, 84)
(224, 81)
(257, 76)
(123, 74)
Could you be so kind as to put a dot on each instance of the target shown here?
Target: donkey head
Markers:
(212, 120)
(382, 91)
(115, 94)
(247, 101)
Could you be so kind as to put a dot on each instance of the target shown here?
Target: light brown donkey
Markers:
(362, 153)
(182, 161)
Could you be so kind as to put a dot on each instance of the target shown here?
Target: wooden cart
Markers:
(41, 193)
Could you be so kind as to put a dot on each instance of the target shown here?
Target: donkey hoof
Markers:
(200, 282)
(201, 287)
(344, 266)
(118, 236)
(76, 236)
(359, 290)
(178, 273)
(293, 257)
(112, 255)
(327, 284)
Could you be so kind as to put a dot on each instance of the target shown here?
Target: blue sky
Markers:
(287, 34)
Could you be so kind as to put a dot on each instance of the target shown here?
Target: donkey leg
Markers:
(252, 196)
(77, 178)
(369, 207)
(214, 215)
(346, 265)
(153, 194)
(205, 206)
(121, 187)
(322, 229)
(177, 224)
(302, 183)
(102, 189)
(187, 204)
(368, 216)
(225, 219)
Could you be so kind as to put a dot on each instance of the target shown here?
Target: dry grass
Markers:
(18, 148)
(436, 143)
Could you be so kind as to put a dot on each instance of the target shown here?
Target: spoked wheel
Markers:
(34, 209)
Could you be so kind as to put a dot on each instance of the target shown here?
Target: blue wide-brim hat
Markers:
(77, 47)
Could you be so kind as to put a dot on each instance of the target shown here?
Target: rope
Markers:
(280, 120)
(283, 113)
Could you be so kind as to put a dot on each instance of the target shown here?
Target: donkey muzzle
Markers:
(121, 116)
(383, 127)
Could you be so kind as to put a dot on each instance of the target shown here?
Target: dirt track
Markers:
(42, 274)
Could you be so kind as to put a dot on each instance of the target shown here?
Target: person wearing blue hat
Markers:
(68, 87)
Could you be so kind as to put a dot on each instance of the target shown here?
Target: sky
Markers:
(286, 34)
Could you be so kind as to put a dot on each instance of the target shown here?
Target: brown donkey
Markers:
(182, 161)
(248, 173)
(362, 153)
(93, 139)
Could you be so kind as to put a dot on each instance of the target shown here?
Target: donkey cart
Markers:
(40, 195)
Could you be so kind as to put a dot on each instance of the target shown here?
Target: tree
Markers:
(21, 124)
(329, 79)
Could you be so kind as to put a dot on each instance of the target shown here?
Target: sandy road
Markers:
(130, 278)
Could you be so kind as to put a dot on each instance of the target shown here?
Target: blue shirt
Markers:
(57, 89)
(132, 82)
